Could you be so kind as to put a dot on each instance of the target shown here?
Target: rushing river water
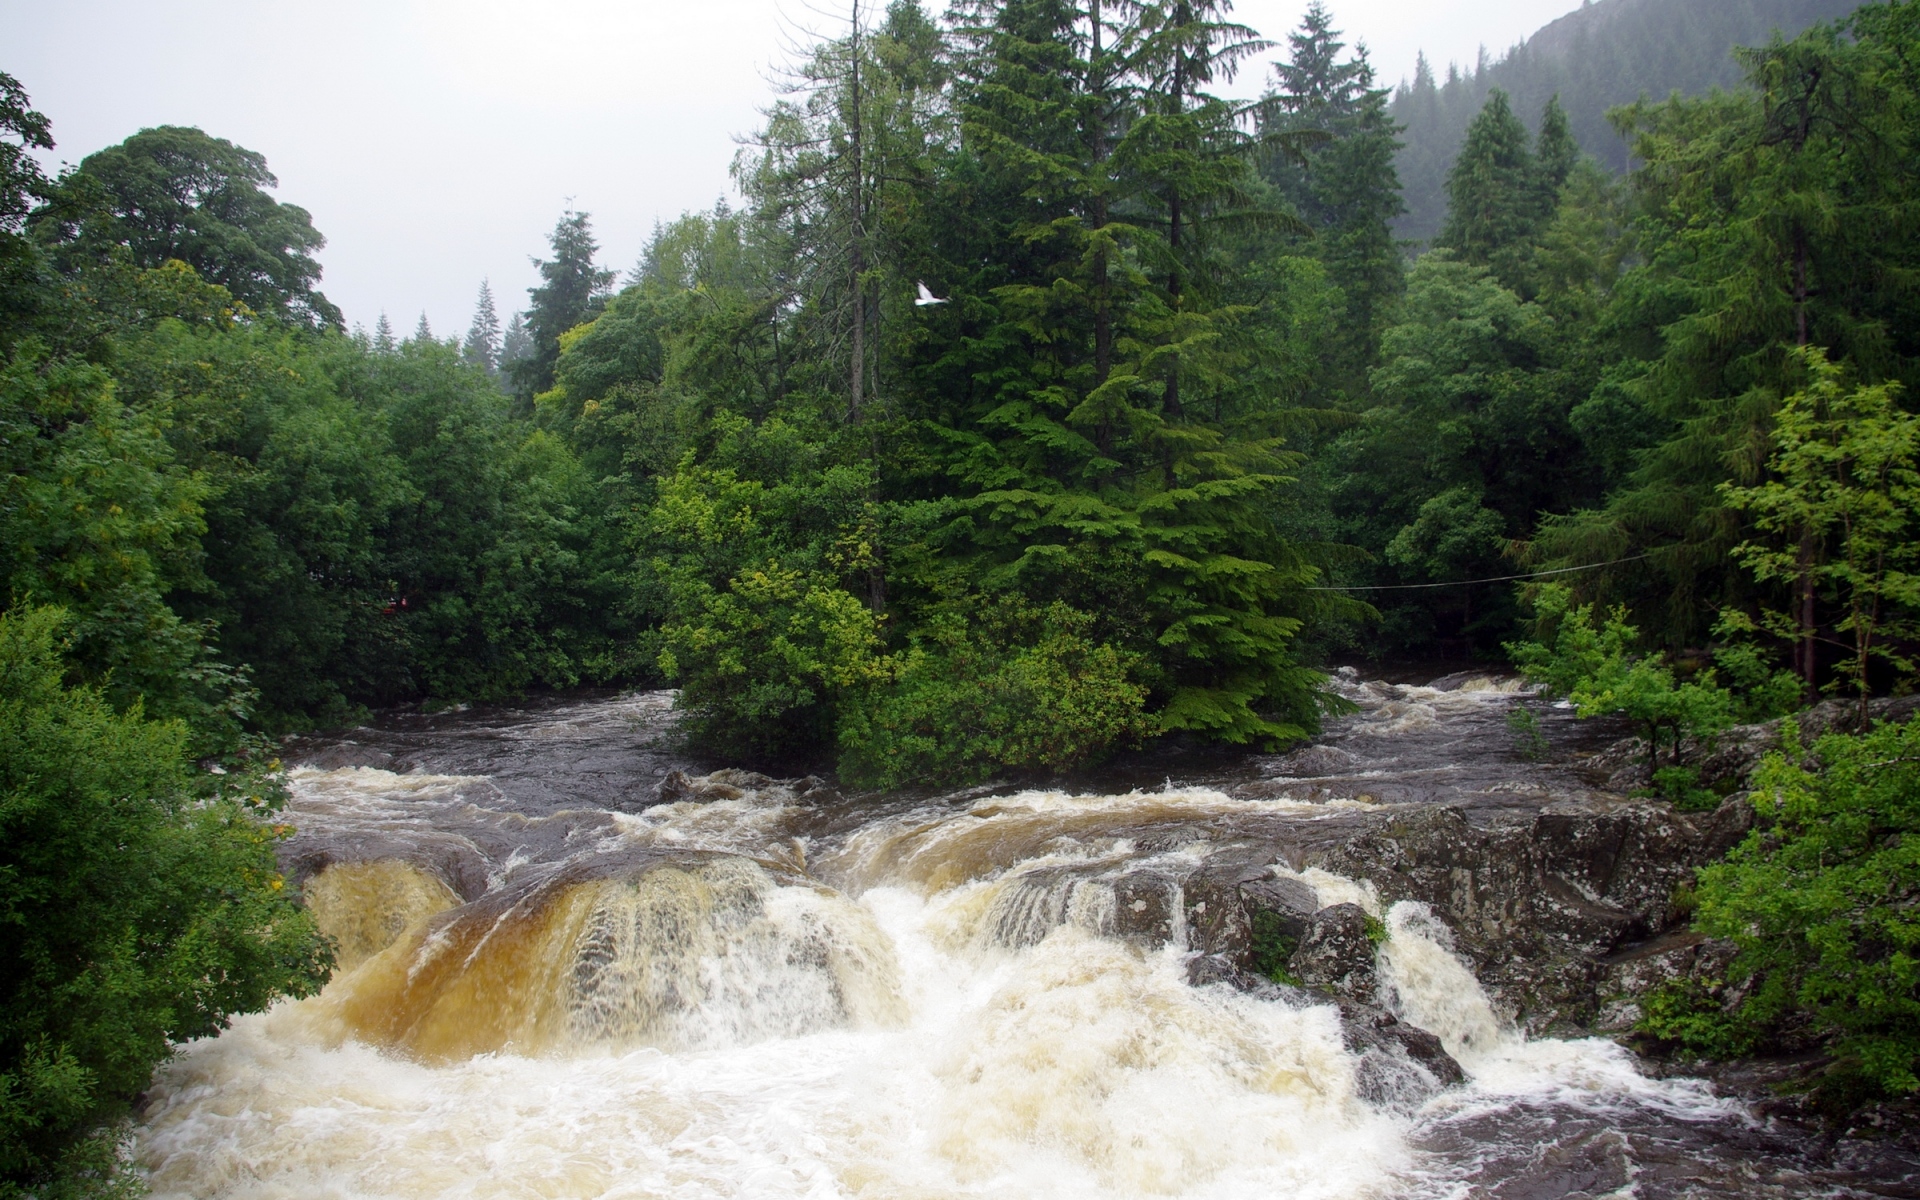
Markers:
(553, 984)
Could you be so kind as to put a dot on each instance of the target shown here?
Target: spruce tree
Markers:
(423, 332)
(1345, 186)
(571, 291)
(1134, 479)
(383, 339)
(515, 345)
(1493, 189)
(482, 347)
(1555, 154)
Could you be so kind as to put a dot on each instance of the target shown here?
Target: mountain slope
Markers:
(1604, 54)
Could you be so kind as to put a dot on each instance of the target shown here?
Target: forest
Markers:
(1034, 403)
(1597, 57)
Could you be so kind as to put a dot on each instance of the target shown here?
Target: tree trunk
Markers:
(1809, 662)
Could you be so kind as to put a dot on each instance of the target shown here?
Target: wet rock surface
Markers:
(1538, 902)
(1336, 953)
(1556, 887)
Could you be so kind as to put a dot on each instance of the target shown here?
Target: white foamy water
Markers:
(663, 1005)
(1080, 1066)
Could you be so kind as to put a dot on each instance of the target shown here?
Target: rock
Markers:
(1460, 679)
(745, 781)
(1537, 901)
(1400, 1066)
(673, 788)
(1725, 760)
(343, 754)
(1292, 902)
(1229, 887)
(815, 790)
(1336, 954)
(1632, 973)
(677, 786)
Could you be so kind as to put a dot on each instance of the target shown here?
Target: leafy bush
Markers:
(136, 911)
(1680, 787)
(1823, 901)
(1591, 660)
(759, 631)
(1528, 742)
(1761, 691)
(1016, 688)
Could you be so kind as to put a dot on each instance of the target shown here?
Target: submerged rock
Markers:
(1400, 1066)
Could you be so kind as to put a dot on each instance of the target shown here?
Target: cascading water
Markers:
(763, 990)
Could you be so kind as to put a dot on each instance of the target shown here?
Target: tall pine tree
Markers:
(1342, 182)
(571, 291)
(482, 347)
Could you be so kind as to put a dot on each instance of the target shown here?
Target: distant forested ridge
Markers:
(1607, 53)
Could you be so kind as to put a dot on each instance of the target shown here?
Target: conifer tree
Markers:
(571, 290)
(1345, 187)
(1555, 155)
(515, 345)
(423, 332)
(1493, 189)
(383, 339)
(482, 347)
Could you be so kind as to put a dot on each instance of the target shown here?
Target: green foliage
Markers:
(1493, 197)
(760, 634)
(1761, 690)
(1598, 56)
(1591, 659)
(1680, 787)
(138, 908)
(1528, 742)
(1468, 440)
(1840, 511)
(1272, 948)
(570, 291)
(174, 193)
(1820, 901)
(1332, 160)
(99, 519)
(1013, 688)
(1766, 221)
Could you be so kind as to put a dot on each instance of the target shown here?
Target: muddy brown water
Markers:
(555, 985)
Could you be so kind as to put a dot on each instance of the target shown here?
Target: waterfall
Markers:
(760, 989)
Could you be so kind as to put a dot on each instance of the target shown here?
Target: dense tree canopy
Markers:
(174, 193)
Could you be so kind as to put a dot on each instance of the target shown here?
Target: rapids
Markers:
(569, 970)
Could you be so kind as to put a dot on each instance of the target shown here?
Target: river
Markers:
(552, 984)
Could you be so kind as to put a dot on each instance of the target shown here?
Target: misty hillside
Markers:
(1607, 53)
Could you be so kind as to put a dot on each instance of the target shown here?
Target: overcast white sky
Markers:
(435, 141)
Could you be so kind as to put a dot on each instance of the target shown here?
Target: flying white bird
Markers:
(927, 297)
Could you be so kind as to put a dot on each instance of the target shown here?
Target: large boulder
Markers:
(1336, 954)
(1538, 901)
